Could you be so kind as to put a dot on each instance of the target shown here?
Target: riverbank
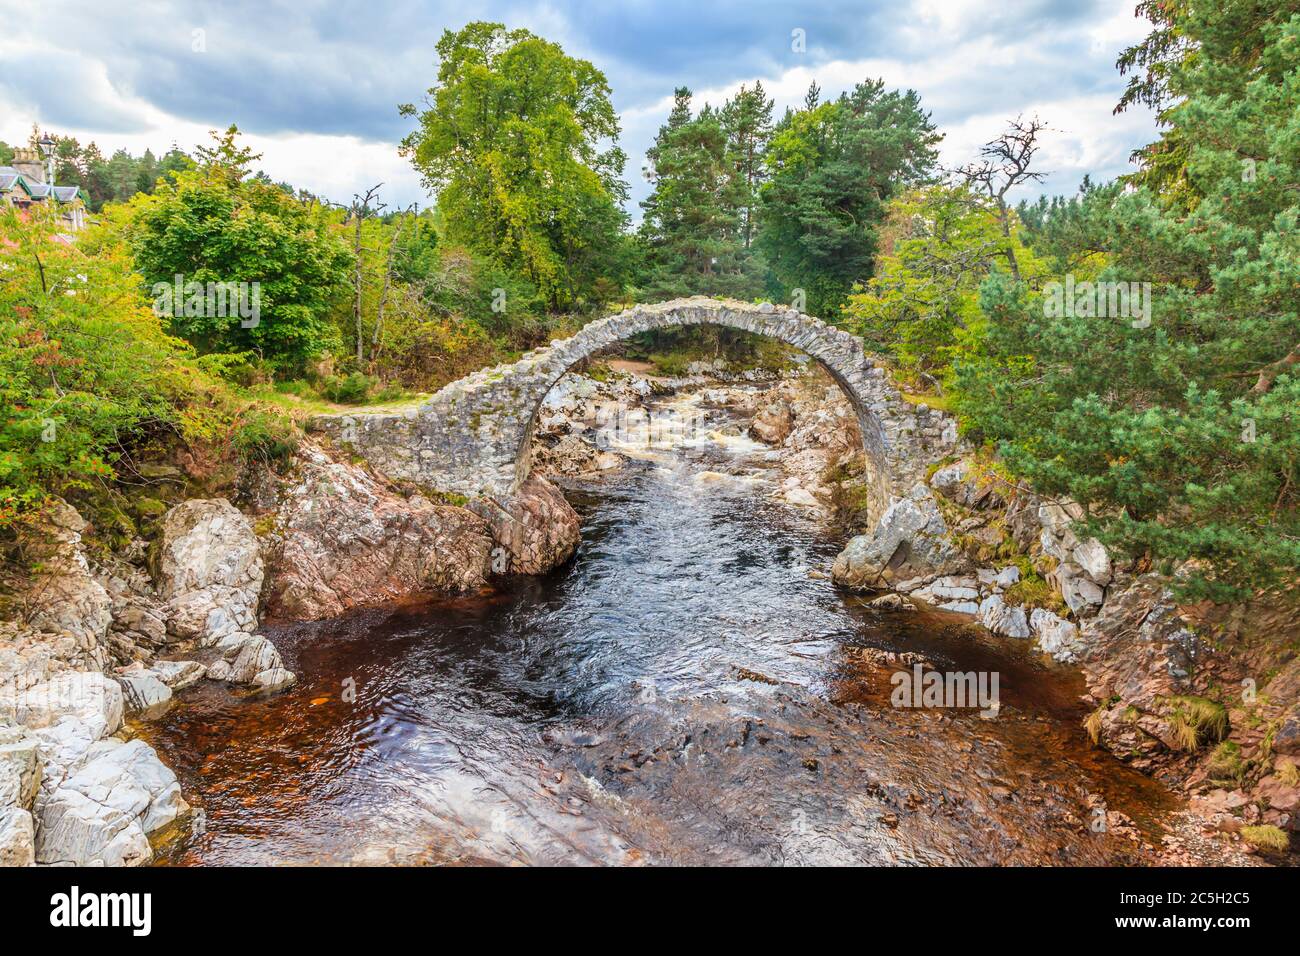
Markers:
(691, 688)
(196, 645)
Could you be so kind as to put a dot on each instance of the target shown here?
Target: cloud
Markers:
(316, 83)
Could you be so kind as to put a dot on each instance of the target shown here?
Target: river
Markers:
(689, 689)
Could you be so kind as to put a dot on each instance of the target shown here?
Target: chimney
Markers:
(30, 163)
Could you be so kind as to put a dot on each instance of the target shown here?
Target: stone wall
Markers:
(473, 436)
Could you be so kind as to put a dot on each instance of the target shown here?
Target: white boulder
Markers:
(17, 837)
(102, 813)
(1056, 636)
(145, 691)
(209, 570)
(89, 697)
(1002, 618)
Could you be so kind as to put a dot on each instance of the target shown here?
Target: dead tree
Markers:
(1004, 164)
(376, 338)
(362, 206)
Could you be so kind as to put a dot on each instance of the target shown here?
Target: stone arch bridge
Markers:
(473, 437)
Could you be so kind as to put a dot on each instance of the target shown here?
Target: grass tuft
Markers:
(1266, 837)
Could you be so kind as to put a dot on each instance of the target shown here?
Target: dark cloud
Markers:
(340, 67)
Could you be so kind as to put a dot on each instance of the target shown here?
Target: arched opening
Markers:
(836, 352)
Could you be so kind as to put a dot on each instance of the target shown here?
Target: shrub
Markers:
(347, 389)
(85, 367)
(1266, 837)
(1196, 721)
(265, 435)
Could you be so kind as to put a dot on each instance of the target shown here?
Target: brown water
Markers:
(682, 692)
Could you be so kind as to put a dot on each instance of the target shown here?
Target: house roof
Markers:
(11, 178)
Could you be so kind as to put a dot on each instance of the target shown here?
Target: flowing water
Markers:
(690, 689)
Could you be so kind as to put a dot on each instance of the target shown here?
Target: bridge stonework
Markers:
(473, 437)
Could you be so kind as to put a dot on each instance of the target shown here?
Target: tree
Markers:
(747, 125)
(1006, 163)
(1175, 427)
(832, 167)
(217, 224)
(922, 305)
(692, 227)
(518, 142)
(83, 364)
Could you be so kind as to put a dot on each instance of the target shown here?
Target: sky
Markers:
(315, 84)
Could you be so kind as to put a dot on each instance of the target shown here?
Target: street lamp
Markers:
(47, 145)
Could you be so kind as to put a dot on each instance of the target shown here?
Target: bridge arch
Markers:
(473, 437)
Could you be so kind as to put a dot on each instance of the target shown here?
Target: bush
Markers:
(672, 364)
(265, 435)
(1266, 837)
(85, 367)
(347, 389)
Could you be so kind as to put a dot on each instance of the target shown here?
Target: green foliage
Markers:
(699, 219)
(85, 367)
(1033, 591)
(352, 388)
(1266, 837)
(512, 143)
(215, 223)
(832, 167)
(113, 179)
(1226, 767)
(1195, 721)
(265, 435)
(1179, 437)
(939, 242)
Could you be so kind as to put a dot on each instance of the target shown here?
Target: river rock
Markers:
(961, 483)
(909, 541)
(89, 697)
(1081, 594)
(102, 812)
(1137, 653)
(800, 497)
(346, 539)
(1083, 567)
(535, 531)
(892, 602)
(1286, 739)
(773, 424)
(1002, 618)
(63, 597)
(145, 691)
(1056, 636)
(17, 837)
(571, 455)
(20, 768)
(274, 678)
(178, 674)
(949, 479)
(139, 618)
(250, 659)
(209, 570)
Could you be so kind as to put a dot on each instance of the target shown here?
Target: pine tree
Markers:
(832, 169)
(747, 124)
(691, 227)
(1176, 428)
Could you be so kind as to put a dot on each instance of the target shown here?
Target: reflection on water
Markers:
(690, 689)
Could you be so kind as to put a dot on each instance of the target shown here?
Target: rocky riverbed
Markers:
(707, 681)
